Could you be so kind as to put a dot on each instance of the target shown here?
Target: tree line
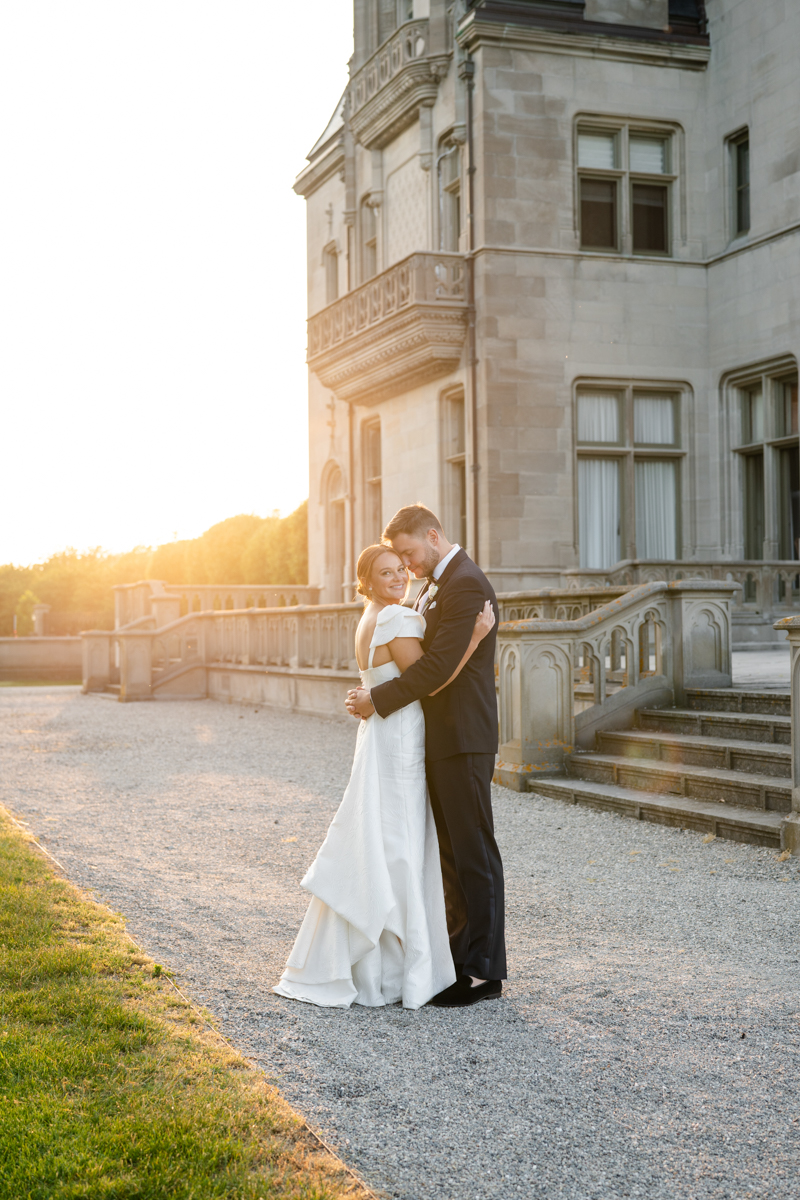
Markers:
(78, 586)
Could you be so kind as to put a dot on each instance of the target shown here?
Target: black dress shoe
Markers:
(462, 993)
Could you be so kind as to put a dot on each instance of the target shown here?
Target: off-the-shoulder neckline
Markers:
(392, 608)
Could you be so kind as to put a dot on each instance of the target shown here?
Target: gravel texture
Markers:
(646, 1045)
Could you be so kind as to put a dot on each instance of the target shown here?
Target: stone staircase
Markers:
(720, 766)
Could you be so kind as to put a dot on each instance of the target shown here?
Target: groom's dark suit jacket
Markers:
(462, 719)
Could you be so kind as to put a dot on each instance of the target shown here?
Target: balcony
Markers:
(403, 328)
(386, 94)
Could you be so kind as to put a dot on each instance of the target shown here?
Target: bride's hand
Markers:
(484, 622)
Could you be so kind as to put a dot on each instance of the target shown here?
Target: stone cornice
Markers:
(395, 332)
(397, 104)
(321, 168)
(676, 53)
(407, 349)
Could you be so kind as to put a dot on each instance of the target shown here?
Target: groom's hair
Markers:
(415, 520)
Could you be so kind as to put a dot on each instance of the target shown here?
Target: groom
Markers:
(460, 746)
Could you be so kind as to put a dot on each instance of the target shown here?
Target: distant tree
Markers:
(24, 613)
(278, 551)
(241, 549)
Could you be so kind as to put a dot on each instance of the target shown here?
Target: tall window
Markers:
(334, 533)
(371, 458)
(454, 466)
(449, 168)
(769, 458)
(331, 260)
(624, 184)
(628, 475)
(739, 147)
(369, 242)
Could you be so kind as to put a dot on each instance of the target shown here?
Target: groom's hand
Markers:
(358, 703)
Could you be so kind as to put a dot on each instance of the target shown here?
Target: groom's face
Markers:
(420, 555)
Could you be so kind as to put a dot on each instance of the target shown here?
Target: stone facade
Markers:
(627, 252)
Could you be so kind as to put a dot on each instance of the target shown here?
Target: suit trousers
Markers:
(472, 870)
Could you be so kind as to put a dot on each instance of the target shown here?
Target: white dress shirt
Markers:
(439, 569)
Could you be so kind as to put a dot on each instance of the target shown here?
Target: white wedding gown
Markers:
(375, 931)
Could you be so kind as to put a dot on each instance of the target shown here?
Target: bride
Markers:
(375, 931)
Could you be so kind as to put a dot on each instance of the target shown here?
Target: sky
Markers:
(153, 263)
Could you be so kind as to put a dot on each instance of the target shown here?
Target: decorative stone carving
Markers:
(388, 91)
(401, 329)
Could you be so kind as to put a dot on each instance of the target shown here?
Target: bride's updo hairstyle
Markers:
(366, 561)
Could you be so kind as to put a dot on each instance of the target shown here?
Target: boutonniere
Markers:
(433, 589)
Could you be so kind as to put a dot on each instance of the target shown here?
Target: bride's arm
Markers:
(406, 650)
(484, 622)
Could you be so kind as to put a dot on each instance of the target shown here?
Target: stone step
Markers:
(752, 758)
(723, 820)
(773, 703)
(740, 726)
(700, 783)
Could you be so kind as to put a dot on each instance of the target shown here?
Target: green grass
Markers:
(111, 1088)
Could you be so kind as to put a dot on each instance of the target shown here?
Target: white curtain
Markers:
(598, 511)
(647, 155)
(598, 419)
(653, 421)
(597, 150)
(656, 529)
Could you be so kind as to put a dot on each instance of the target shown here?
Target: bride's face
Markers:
(389, 579)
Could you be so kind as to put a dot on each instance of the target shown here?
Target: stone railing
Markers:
(766, 584)
(174, 660)
(408, 45)
(166, 602)
(401, 329)
(418, 279)
(555, 604)
(640, 650)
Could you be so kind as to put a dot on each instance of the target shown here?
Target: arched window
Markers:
(453, 441)
(448, 165)
(371, 457)
(369, 242)
(334, 532)
(330, 258)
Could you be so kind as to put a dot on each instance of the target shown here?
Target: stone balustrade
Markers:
(233, 654)
(403, 327)
(555, 604)
(388, 91)
(407, 45)
(766, 584)
(161, 603)
(642, 649)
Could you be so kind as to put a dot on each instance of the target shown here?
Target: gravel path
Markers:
(647, 1044)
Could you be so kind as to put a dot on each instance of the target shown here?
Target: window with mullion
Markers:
(768, 451)
(641, 161)
(628, 492)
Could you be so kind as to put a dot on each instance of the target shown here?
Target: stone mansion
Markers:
(554, 287)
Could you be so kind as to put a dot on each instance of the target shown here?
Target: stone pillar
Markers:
(135, 665)
(96, 651)
(790, 829)
(699, 634)
(537, 722)
(166, 609)
(40, 612)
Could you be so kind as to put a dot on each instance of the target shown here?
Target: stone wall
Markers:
(40, 658)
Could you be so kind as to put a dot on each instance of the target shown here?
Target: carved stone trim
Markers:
(388, 91)
(398, 330)
(403, 351)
